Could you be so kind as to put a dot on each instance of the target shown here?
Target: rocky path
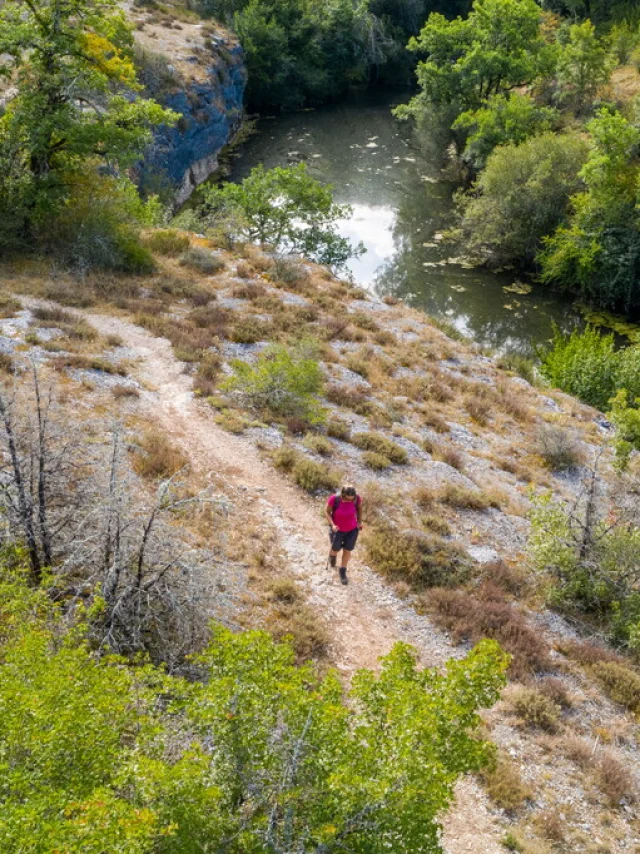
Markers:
(366, 618)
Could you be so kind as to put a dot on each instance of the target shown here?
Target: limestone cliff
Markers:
(196, 69)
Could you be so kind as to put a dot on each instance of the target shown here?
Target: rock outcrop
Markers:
(197, 70)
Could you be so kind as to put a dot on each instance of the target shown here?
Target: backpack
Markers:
(337, 499)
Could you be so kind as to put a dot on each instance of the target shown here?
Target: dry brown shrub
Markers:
(204, 381)
(551, 826)
(123, 391)
(478, 408)
(556, 691)
(244, 270)
(433, 420)
(6, 363)
(425, 497)
(471, 618)
(210, 317)
(504, 784)
(156, 457)
(338, 429)
(535, 708)
(250, 291)
(576, 749)
(449, 455)
(511, 579)
(587, 653)
(614, 780)
(351, 397)
(297, 621)
(87, 363)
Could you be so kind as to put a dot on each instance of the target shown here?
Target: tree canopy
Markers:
(70, 64)
(258, 756)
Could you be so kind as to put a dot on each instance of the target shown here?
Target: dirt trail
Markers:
(366, 618)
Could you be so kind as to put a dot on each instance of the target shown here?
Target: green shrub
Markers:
(285, 382)
(320, 445)
(463, 498)
(422, 560)
(312, 476)
(535, 708)
(376, 461)
(202, 260)
(285, 458)
(249, 330)
(338, 429)
(167, 241)
(379, 444)
(586, 365)
(621, 683)
(518, 364)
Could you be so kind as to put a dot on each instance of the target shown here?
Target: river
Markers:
(392, 178)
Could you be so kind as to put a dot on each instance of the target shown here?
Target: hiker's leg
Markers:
(346, 557)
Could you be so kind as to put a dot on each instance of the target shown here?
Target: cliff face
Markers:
(198, 71)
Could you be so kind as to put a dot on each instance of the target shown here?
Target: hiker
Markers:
(344, 514)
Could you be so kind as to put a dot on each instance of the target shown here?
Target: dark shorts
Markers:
(344, 540)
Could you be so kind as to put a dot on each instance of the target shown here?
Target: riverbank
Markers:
(444, 446)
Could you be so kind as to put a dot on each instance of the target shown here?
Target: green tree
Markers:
(597, 254)
(505, 119)
(522, 195)
(70, 63)
(584, 65)
(284, 208)
(494, 50)
(259, 756)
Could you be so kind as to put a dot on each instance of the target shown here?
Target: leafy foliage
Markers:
(284, 208)
(588, 365)
(583, 65)
(590, 560)
(496, 48)
(70, 64)
(260, 755)
(504, 119)
(597, 254)
(285, 382)
(522, 196)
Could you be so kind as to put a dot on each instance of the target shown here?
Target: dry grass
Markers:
(9, 305)
(155, 456)
(124, 391)
(447, 454)
(471, 618)
(620, 683)
(558, 447)
(87, 363)
(338, 429)
(463, 498)
(379, 444)
(576, 749)
(556, 691)
(319, 445)
(355, 398)
(290, 617)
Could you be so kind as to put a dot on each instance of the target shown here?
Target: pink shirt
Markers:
(346, 516)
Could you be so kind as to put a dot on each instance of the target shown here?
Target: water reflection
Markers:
(391, 176)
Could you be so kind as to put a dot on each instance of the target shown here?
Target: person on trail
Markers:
(344, 514)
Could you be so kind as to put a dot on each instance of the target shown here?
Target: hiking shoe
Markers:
(332, 560)
(343, 575)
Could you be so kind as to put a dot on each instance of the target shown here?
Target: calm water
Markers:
(401, 204)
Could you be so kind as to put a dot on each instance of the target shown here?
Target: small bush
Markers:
(9, 305)
(504, 784)
(204, 381)
(338, 429)
(244, 271)
(621, 683)
(578, 750)
(450, 456)
(558, 447)
(433, 420)
(313, 476)
(425, 497)
(551, 826)
(478, 408)
(320, 445)
(123, 391)
(556, 691)
(375, 461)
(298, 622)
(381, 445)
(463, 498)
(249, 330)
(156, 457)
(202, 260)
(285, 382)
(422, 560)
(285, 458)
(289, 272)
(355, 398)
(536, 709)
(358, 365)
(6, 363)
(614, 780)
(364, 321)
(167, 241)
(518, 364)
(436, 525)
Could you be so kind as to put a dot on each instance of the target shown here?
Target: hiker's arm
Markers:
(359, 512)
(328, 513)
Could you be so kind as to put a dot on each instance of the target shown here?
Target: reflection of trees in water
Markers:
(480, 310)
